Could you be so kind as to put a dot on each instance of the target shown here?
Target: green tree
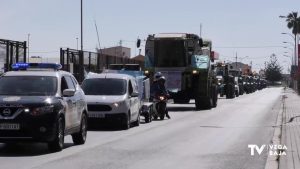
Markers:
(273, 70)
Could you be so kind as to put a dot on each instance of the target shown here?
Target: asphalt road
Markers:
(210, 139)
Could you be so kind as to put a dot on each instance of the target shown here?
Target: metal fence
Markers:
(79, 63)
(11, 52)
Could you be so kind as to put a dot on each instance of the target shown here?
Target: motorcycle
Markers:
(160, 106)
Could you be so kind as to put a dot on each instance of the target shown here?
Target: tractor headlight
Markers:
(195, 72)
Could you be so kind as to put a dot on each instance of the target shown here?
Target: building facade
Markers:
(118, 51)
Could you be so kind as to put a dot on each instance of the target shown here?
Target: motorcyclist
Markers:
(158, 87)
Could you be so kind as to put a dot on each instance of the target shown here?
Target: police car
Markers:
(40, 103)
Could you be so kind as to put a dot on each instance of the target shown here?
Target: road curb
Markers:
(273, 161)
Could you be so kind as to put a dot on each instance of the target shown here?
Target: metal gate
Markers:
(11, 52)
(79, 63)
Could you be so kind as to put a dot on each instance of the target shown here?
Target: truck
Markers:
(185, 60)
(227, 82)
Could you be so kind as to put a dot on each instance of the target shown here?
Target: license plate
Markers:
(9, 126)
(96, 115)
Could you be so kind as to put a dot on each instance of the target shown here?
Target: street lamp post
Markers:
(292, 50)
(81, 26)
(295, 20)
(295, 47)
(290, 58)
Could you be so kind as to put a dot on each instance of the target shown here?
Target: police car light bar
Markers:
(25, 66)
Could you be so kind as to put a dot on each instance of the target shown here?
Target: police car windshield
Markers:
(28, 85)
(104, 86)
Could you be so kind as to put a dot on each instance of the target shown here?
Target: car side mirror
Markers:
(69, 92)
(134, 94)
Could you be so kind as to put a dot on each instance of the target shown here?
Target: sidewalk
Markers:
(290, 131)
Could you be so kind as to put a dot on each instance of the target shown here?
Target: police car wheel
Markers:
(80, 137)
(58, 143)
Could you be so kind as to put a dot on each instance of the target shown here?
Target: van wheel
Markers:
(80, 137)
(126, 122)
(137, 122)
(58, 143)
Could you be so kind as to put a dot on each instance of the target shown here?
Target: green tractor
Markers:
(187, 63)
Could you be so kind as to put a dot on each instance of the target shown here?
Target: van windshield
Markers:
(105, 86)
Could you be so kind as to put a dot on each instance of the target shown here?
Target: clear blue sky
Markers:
(232, 23)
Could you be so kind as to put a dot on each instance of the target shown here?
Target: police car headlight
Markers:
(41, 110)
(116, 104)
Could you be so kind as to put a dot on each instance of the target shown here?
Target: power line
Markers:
(247, 47)
(44, 51)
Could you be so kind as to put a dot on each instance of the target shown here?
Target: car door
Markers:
(80, 97)
(134, 106)
(75, 116)
(69, 104)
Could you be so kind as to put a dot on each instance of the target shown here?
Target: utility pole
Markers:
(81, 29)
(200, 30)
(28, 36)
(236, 61)
(77, 43)
(121, 49)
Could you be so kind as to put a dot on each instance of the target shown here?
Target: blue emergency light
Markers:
(25, 66)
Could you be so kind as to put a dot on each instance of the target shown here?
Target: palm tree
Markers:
(293, 22)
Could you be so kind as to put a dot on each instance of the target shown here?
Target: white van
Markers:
(112, 96)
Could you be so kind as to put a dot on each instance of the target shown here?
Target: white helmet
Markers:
(157, 76)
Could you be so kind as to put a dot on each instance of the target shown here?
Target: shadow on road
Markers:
(181, 109)
(109, 127)
(26, 149)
